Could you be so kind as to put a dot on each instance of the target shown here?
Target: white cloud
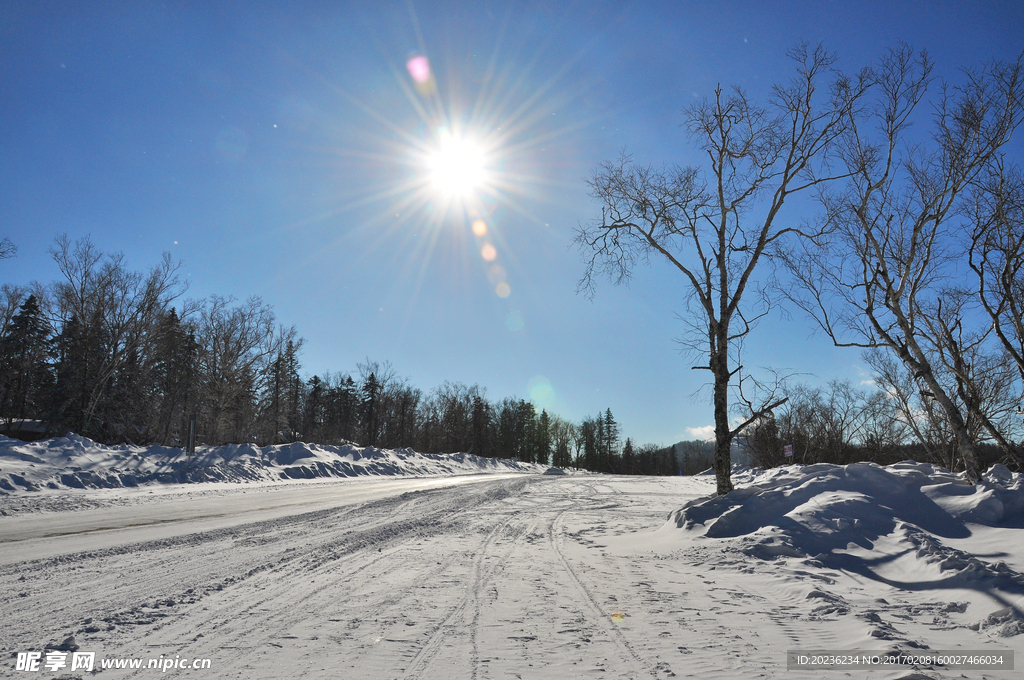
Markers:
(704, 432)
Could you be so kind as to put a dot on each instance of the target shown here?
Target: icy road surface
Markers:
(516, 576)
(123, 516)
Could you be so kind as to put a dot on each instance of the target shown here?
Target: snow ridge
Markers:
(76, 462)
(894, 525)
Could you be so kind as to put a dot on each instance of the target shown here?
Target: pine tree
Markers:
(175, 365)
(370, 411)
(524, 434)
(348, 409)
(589, 433)
(628, 458)
(291, 389)
(313, 410)
(542, 439)
(275, 388)
(611, 435)
(25, 351)
(75, 346)
(480, 423)
(525, 427)
(508, 428)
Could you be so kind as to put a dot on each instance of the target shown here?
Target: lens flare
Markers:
(496, 274)
(479, 227)
(488, 252)
(542, 394)
(503, 290)
(419, 68)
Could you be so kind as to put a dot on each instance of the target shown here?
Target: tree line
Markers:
(121, 357)
(887, 423)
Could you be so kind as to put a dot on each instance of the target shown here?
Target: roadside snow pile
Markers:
(75, 462)
(892, 524)
(824, 505)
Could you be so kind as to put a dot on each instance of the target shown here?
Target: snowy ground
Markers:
(518, 575)
(75, 462)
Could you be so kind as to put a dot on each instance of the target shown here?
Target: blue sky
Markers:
(278, 150)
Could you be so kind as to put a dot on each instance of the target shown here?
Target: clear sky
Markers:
(285, 150)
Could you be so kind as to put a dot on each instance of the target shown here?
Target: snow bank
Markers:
(896, 524)
(75, 462)
(828, 505)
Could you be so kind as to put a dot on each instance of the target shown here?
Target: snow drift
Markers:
(827, 506)
(897, 524)
(75, 462)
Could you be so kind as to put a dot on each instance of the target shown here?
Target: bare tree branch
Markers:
(895, 218)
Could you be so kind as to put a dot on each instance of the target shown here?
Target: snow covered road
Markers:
(513, 576)
(124, 516)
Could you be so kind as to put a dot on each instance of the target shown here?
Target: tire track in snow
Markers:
(244, 627)
(339, 564)
(290, 563)
(474, 624)
(327, 559)
(480, 575)
(630, 656)
(205, 578)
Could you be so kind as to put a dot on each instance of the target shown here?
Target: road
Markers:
(144, 514)
(488, 577)
(376, 579)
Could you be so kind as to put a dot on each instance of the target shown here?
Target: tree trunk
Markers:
(964, 440)
(965, 443)
(723, 434)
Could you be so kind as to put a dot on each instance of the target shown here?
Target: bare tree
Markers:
(715, 226)
(401, 417)
(455, 407)
(115, 310)
(563, 433)
(996, 254)
(884, 431)
(11, 297)
(823, 424)
(235, 346)
(983, 382)
(7, 248)
(914, 412)
(884, 276)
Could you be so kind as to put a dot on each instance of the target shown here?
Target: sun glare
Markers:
(457, 167)
(464, 164)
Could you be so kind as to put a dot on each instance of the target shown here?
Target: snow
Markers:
(75, 462)
(422, 567)
(906, 526)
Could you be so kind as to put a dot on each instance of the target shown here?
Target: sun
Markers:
(458, 166)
